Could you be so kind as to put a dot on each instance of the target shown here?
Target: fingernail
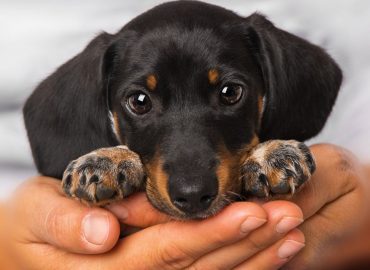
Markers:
(289, 248)
(286, 224)
(251, 223)
(95, 228)
(119, 211)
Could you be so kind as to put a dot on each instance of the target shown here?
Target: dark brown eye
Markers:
(139, 103)
(231, 94)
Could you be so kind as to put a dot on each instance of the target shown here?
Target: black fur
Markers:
(67, 115)
(301, 81)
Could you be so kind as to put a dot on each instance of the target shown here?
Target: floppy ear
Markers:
(67, 115)
(301, 81)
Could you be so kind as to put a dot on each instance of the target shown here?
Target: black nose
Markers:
(193, 197)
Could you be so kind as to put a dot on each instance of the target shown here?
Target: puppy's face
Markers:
(191, 88)
(189, 103)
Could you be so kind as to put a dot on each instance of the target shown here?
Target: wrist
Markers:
(5, 258)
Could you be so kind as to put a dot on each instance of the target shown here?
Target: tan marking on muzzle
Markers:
(227, 171)
(245, 152)
(157, 183)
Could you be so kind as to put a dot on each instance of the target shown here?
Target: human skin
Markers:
(334, 204)
(48, 233)
(336, 209)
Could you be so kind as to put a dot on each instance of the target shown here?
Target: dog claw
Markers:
(277, 167)
(104, 175)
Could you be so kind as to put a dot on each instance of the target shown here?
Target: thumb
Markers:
(50, 217)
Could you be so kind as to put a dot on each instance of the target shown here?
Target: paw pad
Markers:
(277, 167)
(104, 175)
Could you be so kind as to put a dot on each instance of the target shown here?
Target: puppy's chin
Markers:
(220, 203)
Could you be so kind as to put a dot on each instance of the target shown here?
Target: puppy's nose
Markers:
(195, 197)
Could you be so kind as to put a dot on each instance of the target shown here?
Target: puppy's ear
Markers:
(301, 81)
(67, 115)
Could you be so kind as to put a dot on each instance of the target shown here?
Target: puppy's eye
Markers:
(139, 103)
(231, 94)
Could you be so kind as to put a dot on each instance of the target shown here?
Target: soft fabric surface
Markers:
(40, 35)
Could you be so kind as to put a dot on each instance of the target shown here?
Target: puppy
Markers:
(190, 102)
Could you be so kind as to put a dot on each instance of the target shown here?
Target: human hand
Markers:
(51, 231)
(335, 204)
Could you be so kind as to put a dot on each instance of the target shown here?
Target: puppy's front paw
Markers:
(105, 175)
(277, 167)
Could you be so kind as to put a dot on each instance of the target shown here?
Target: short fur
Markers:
(173, 53)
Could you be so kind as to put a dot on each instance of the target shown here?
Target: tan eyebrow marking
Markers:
(213, 76)
(151, 82)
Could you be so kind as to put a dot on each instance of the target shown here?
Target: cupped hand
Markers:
(50, 231)
(336, 208)
(268, 247)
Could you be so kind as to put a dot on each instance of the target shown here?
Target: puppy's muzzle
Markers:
(192, 194)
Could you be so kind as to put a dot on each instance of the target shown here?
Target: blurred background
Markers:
(38, 36)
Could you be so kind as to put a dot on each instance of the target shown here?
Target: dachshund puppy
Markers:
(190, 102)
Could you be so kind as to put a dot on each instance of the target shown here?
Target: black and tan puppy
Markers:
(189, 102)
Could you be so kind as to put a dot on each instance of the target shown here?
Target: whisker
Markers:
(234, 194)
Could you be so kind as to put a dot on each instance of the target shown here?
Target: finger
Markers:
(282, 217)
(180, 243)
(50, 217)
(277, 255)
(136, 211)
(332, 179)
(173, 245)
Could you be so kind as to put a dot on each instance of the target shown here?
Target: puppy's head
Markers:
(192, 88)
(187, 99)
